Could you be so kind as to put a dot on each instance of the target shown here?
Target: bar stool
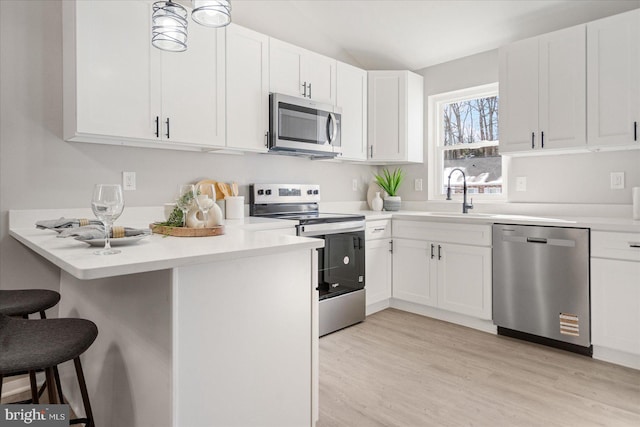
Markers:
(30, 345)
(22, 303)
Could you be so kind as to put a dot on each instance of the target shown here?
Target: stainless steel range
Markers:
(341, 281)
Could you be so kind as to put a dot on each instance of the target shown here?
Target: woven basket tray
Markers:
(186, 231)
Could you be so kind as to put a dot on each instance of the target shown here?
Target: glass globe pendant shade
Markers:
(212, 13)
(169, 26)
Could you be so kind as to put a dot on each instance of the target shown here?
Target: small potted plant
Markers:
(390, 182)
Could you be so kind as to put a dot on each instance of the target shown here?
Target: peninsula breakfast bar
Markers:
(192, 331)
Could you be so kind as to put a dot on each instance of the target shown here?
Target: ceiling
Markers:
(405, 34)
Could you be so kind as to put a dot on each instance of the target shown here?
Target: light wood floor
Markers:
(401, 369)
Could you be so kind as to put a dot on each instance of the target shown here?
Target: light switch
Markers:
(354, 184)
(617, 180)
(521, 183)
(128, 181)
(418, 184)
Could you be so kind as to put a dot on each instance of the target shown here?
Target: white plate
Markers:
(120, 241)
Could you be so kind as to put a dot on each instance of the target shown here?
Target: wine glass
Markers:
(107, 204)
(205, 198)
(186, 194)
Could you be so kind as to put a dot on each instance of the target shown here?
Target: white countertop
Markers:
(594, 223)
(156, 252)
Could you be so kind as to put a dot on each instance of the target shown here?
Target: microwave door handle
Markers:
(334, 128)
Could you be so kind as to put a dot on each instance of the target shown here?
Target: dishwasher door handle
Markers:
(537, 240)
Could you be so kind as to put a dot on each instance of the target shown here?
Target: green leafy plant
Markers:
(390, 181)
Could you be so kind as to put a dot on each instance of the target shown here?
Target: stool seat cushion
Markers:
(40, 343)
(21, 302)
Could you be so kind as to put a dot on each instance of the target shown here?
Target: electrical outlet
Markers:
(354, 184)
(617, 180)
(418, 184)
(128, 181)
(521, 183)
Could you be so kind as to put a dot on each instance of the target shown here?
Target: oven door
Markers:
(303, 125)
(341, 264)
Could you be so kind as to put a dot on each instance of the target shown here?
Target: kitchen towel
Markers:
(90, 232)
(636, 202)
(63, 223)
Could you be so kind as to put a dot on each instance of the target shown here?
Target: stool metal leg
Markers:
(56, 375)
(50, 389)
(85, 394)
(34, 388)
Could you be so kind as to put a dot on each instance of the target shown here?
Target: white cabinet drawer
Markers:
(445, 232)
(378, 229)
(623, 246)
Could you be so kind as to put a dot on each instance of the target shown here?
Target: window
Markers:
(463, 134)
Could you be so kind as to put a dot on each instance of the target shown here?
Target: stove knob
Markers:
(268, 192)
(315, 192)
(309, 192)
(260, 192)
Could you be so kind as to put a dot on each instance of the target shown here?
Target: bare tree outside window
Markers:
(470, 142)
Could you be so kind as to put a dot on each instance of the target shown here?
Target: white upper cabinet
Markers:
(298, 72)
(542, 93)
(193, 90)
(108, 92)
(247, 89)
(395, 117)
(613, 81)
(352, 99)
(119, 89)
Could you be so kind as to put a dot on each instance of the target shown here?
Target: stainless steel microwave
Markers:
(304, 127)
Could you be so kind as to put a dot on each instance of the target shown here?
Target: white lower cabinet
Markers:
(412, 278)
(615, 297)
(378, 261)
(447, 276)
(464, 280)
(443, 274)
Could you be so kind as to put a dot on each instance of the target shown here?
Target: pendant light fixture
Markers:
(212, 13)
(169, 26)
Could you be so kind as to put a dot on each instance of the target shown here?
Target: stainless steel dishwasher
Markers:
(541, 285)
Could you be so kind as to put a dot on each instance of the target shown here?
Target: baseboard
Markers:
(15, 385)
(616, 356)
(447, 316)
(377, 306)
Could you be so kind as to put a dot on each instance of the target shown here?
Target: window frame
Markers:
(436, 105)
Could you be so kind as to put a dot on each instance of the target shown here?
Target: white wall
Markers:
(572, 178)
(40, 170)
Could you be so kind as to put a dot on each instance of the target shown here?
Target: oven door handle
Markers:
(311, 230)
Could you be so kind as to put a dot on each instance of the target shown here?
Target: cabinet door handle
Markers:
(541, 139)
(375, 230)
(157, 126)
(432, 252)
(309, 90)
(391, 246)
(634, 244)
(635, 131)
(533, 139)
(439, 252)
(371, 152)
(168, 132)
(266, 139)
(304, 94)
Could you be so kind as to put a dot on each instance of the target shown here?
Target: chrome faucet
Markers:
(465, 206)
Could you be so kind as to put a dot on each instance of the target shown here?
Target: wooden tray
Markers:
(186, 231)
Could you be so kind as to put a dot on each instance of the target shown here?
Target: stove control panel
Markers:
(285, 193)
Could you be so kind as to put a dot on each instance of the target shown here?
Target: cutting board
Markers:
(187, 231)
